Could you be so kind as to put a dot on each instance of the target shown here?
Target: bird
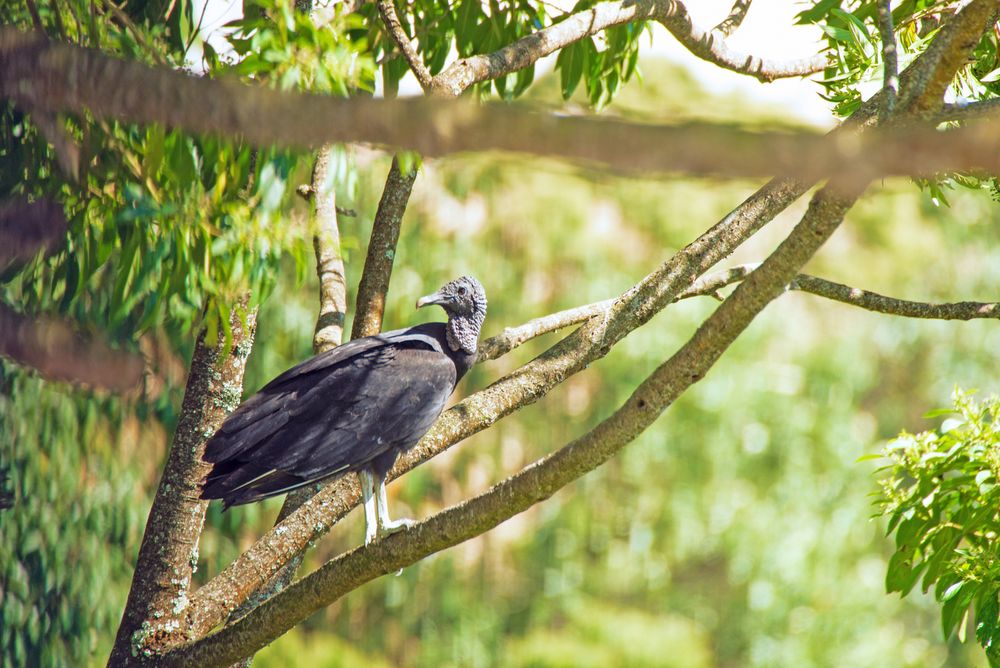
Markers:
(354, 408)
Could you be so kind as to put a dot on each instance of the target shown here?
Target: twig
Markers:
(512, 337)
(889, 63)
(387, 9)
(735, 18)
(872, 301)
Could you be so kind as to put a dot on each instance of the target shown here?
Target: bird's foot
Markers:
(395, 526)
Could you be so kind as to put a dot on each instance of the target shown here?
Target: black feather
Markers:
(356, 406)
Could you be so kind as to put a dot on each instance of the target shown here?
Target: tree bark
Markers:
(168, 554)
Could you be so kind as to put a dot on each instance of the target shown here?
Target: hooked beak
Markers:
(435, 298)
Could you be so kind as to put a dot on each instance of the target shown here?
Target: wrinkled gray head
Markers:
(464, 300)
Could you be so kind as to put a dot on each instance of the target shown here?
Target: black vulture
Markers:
(353, 408)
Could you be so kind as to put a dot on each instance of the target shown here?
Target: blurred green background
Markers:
(734, 532)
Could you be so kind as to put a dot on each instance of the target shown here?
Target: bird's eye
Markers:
(463, 291)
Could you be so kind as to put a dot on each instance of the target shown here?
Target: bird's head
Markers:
(464, 300)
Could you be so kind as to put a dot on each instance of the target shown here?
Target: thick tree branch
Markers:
(382, 251)
(29, 227)
(731, 23)
(542, 479)
(169, 549)
(212, 602)
(48, 75)
(57, 352)
(387, 10)
(932, 73)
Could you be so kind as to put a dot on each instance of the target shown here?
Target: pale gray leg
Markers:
(371, 508)
(385, 525)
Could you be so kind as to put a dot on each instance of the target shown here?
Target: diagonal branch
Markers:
(542, 479)
(387, 10)
(512, 337)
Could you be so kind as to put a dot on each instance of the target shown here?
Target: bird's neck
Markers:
(463, 333)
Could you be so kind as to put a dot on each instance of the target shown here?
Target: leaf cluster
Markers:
(604, 64)
(941, 496)
(856, 69)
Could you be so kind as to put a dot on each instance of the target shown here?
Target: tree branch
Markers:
(49, 75)
(329, 261)
(52, 348)
(872, 301)
(890, 67)
(932, 73)
(711, 46)
(546, 476)
(387, 10)
(169, 549)
(512, 337)
(382, 251)
(730, 24)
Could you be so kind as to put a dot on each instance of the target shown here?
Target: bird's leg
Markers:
(371, 509)
(385, 525)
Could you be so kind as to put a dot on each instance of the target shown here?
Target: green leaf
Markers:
(987, 612)
(838, 34)
(570, 64)
(956, 602)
